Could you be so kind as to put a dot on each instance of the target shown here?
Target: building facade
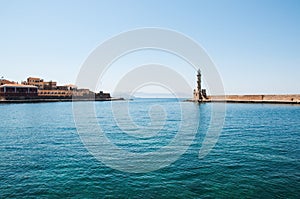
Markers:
(18, 91)
(40, 83)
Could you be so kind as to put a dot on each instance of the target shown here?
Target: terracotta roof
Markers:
(18, 85)
(7, 81)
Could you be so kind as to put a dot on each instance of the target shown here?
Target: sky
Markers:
(255, 44)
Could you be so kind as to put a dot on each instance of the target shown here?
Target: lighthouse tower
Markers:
(198, 91)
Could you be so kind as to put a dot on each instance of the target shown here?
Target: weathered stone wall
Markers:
(257, 98)
(282, 97)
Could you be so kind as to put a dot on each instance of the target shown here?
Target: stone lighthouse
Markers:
(199, 93)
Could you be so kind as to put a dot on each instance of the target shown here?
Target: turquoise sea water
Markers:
(257, 154)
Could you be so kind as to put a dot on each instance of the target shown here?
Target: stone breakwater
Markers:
(287, 99)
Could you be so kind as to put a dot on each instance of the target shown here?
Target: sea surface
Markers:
(257, 154)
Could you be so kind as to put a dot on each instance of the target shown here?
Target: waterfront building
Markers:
(18, 91)
(101, 94)
(40, 83)
(49, 88)
(69, 87)
(54, 93)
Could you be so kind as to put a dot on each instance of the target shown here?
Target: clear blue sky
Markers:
(255, 44)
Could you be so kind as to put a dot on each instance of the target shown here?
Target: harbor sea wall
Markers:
(293, 99)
